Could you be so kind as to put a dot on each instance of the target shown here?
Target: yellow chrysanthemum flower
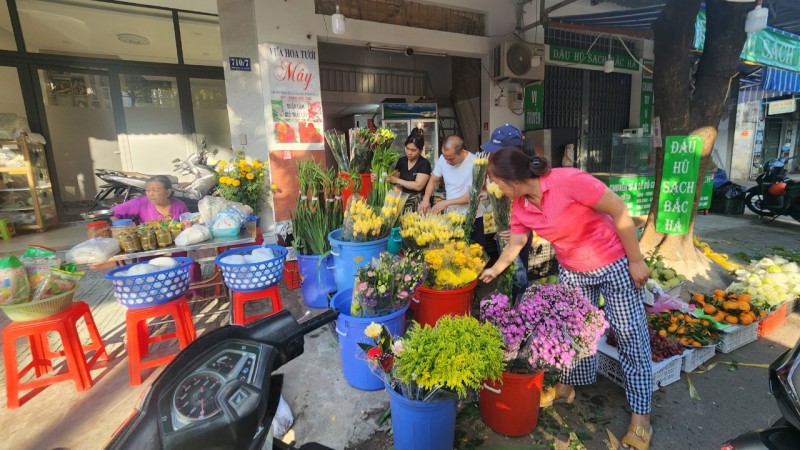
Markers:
(250, 176)
(236, 183)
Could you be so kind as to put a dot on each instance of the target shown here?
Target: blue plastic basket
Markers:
(150, 289)
(256, 276)
(225, 232)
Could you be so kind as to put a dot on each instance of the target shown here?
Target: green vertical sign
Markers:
(646, 107)
(708, 189)
(678, 183)
(534, 106)
(635, 191)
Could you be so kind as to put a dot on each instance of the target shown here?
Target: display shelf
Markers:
(39, 214)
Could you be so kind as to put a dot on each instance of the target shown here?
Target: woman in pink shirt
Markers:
(598, 252)
(156, 204)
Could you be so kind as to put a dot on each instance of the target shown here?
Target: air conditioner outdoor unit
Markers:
(519, 61)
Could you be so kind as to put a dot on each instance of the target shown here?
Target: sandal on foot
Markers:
(640, 440)
(549, 396)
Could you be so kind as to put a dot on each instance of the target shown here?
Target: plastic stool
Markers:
(77, 367)
(7, 229)
(139, 338)
(240, 298)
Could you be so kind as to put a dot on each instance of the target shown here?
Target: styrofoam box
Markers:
(695, 357)
(737, 336)
(664, 373)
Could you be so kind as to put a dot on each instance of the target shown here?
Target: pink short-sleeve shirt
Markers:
(584, 239)
(145, 211)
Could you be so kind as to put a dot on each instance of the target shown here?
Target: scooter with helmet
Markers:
(775, 194)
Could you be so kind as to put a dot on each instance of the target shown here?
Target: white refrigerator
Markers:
(403, 117)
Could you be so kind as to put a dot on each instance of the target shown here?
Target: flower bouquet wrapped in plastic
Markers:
(409, 273)
(338, 143)
(479, 168)
(421, 231)
(360, 224)
(392, 208)
(373, 288)
(455, 265)
(360, 150)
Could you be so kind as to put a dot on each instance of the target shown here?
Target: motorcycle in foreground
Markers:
(219, 392)
(122, 186)
(775, 194)
(784, 381)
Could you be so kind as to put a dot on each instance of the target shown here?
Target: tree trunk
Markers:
(683, 110)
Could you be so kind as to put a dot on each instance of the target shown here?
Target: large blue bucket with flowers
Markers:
(316, 275)
(355, 366)
(349, 256)
(418, 425)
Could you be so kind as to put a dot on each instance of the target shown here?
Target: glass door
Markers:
(83, 135)
(210, 110)
(154, 132)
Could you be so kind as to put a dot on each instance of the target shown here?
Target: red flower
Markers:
(386, 362)
(374, 354)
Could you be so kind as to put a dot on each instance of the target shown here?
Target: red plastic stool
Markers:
(240, 298)
(77, 367)
(139, 338)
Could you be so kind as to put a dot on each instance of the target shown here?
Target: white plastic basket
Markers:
(695, 357)
(664, 373)
(737, 336)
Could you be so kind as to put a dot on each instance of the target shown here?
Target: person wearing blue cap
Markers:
(502, 137)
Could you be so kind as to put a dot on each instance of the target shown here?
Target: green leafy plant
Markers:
(459, 353)
(319, 208)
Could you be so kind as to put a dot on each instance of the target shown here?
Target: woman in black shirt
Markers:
(412, 171)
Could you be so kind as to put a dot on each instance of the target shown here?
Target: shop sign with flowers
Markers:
(386, 285)
(430, 363)
(243, 181)
(550, 329)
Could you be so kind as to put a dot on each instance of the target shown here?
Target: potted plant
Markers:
(450, 285)
(549, 329)
(383, 289)
(428, 370)
(244, 181)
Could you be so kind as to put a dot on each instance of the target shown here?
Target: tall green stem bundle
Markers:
(384, 159)
(319, 208)
(479, 169)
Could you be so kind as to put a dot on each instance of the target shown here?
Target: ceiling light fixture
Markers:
(337, 22)
(133, 39)
(608, 66)
(756, 19)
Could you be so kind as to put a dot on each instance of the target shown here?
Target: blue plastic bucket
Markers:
(349, 256)
(351, 331)
(418, 425)
(316, 279)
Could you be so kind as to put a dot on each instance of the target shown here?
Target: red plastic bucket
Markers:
(431, 304)
(366, 187)
(512, 408)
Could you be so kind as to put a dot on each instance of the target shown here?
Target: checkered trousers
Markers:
(625, 312)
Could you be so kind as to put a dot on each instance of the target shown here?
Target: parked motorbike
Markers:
(784, 383)
(220, 391)
(775, 194)
(123, 186)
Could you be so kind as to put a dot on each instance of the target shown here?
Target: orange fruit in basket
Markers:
(699, 297)
(732, 296)
(672, 328)
(719, 316)
(673, 319)
(762, 314)
(719, 293)
(682, 330)
(662, 333)
(745, 297)
(730, 318)
(745, 319)
(709, 309)
(696, 344)
(730, 306)
(744, 306)
(705, 323)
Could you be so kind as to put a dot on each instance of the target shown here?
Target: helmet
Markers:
(778, 188)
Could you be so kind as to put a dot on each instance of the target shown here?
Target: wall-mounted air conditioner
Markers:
(518, 61)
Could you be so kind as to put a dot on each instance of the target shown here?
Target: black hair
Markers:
(512, 164)
(416, 138)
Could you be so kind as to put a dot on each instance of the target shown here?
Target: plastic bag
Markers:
(229, 217)
(730, 191)
(283, 419)
(210, 207)
(38, 262)
(56, 282)
(14, 287)
(93, 251)
(193, 235)
(665, 302)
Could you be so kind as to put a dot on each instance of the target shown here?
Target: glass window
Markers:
(6, 32)
(210, 107)
(77, 90)
(11, 94)
(201, 40)
(98, 29)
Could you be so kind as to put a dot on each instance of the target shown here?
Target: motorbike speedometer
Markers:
(195, 397)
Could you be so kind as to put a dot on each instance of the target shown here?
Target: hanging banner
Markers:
(593, 60)
(646, 106)
(770, 46)
(678, 183)
(534, 106)
(296, 97)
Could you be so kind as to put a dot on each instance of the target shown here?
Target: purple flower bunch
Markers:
(550, 328)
